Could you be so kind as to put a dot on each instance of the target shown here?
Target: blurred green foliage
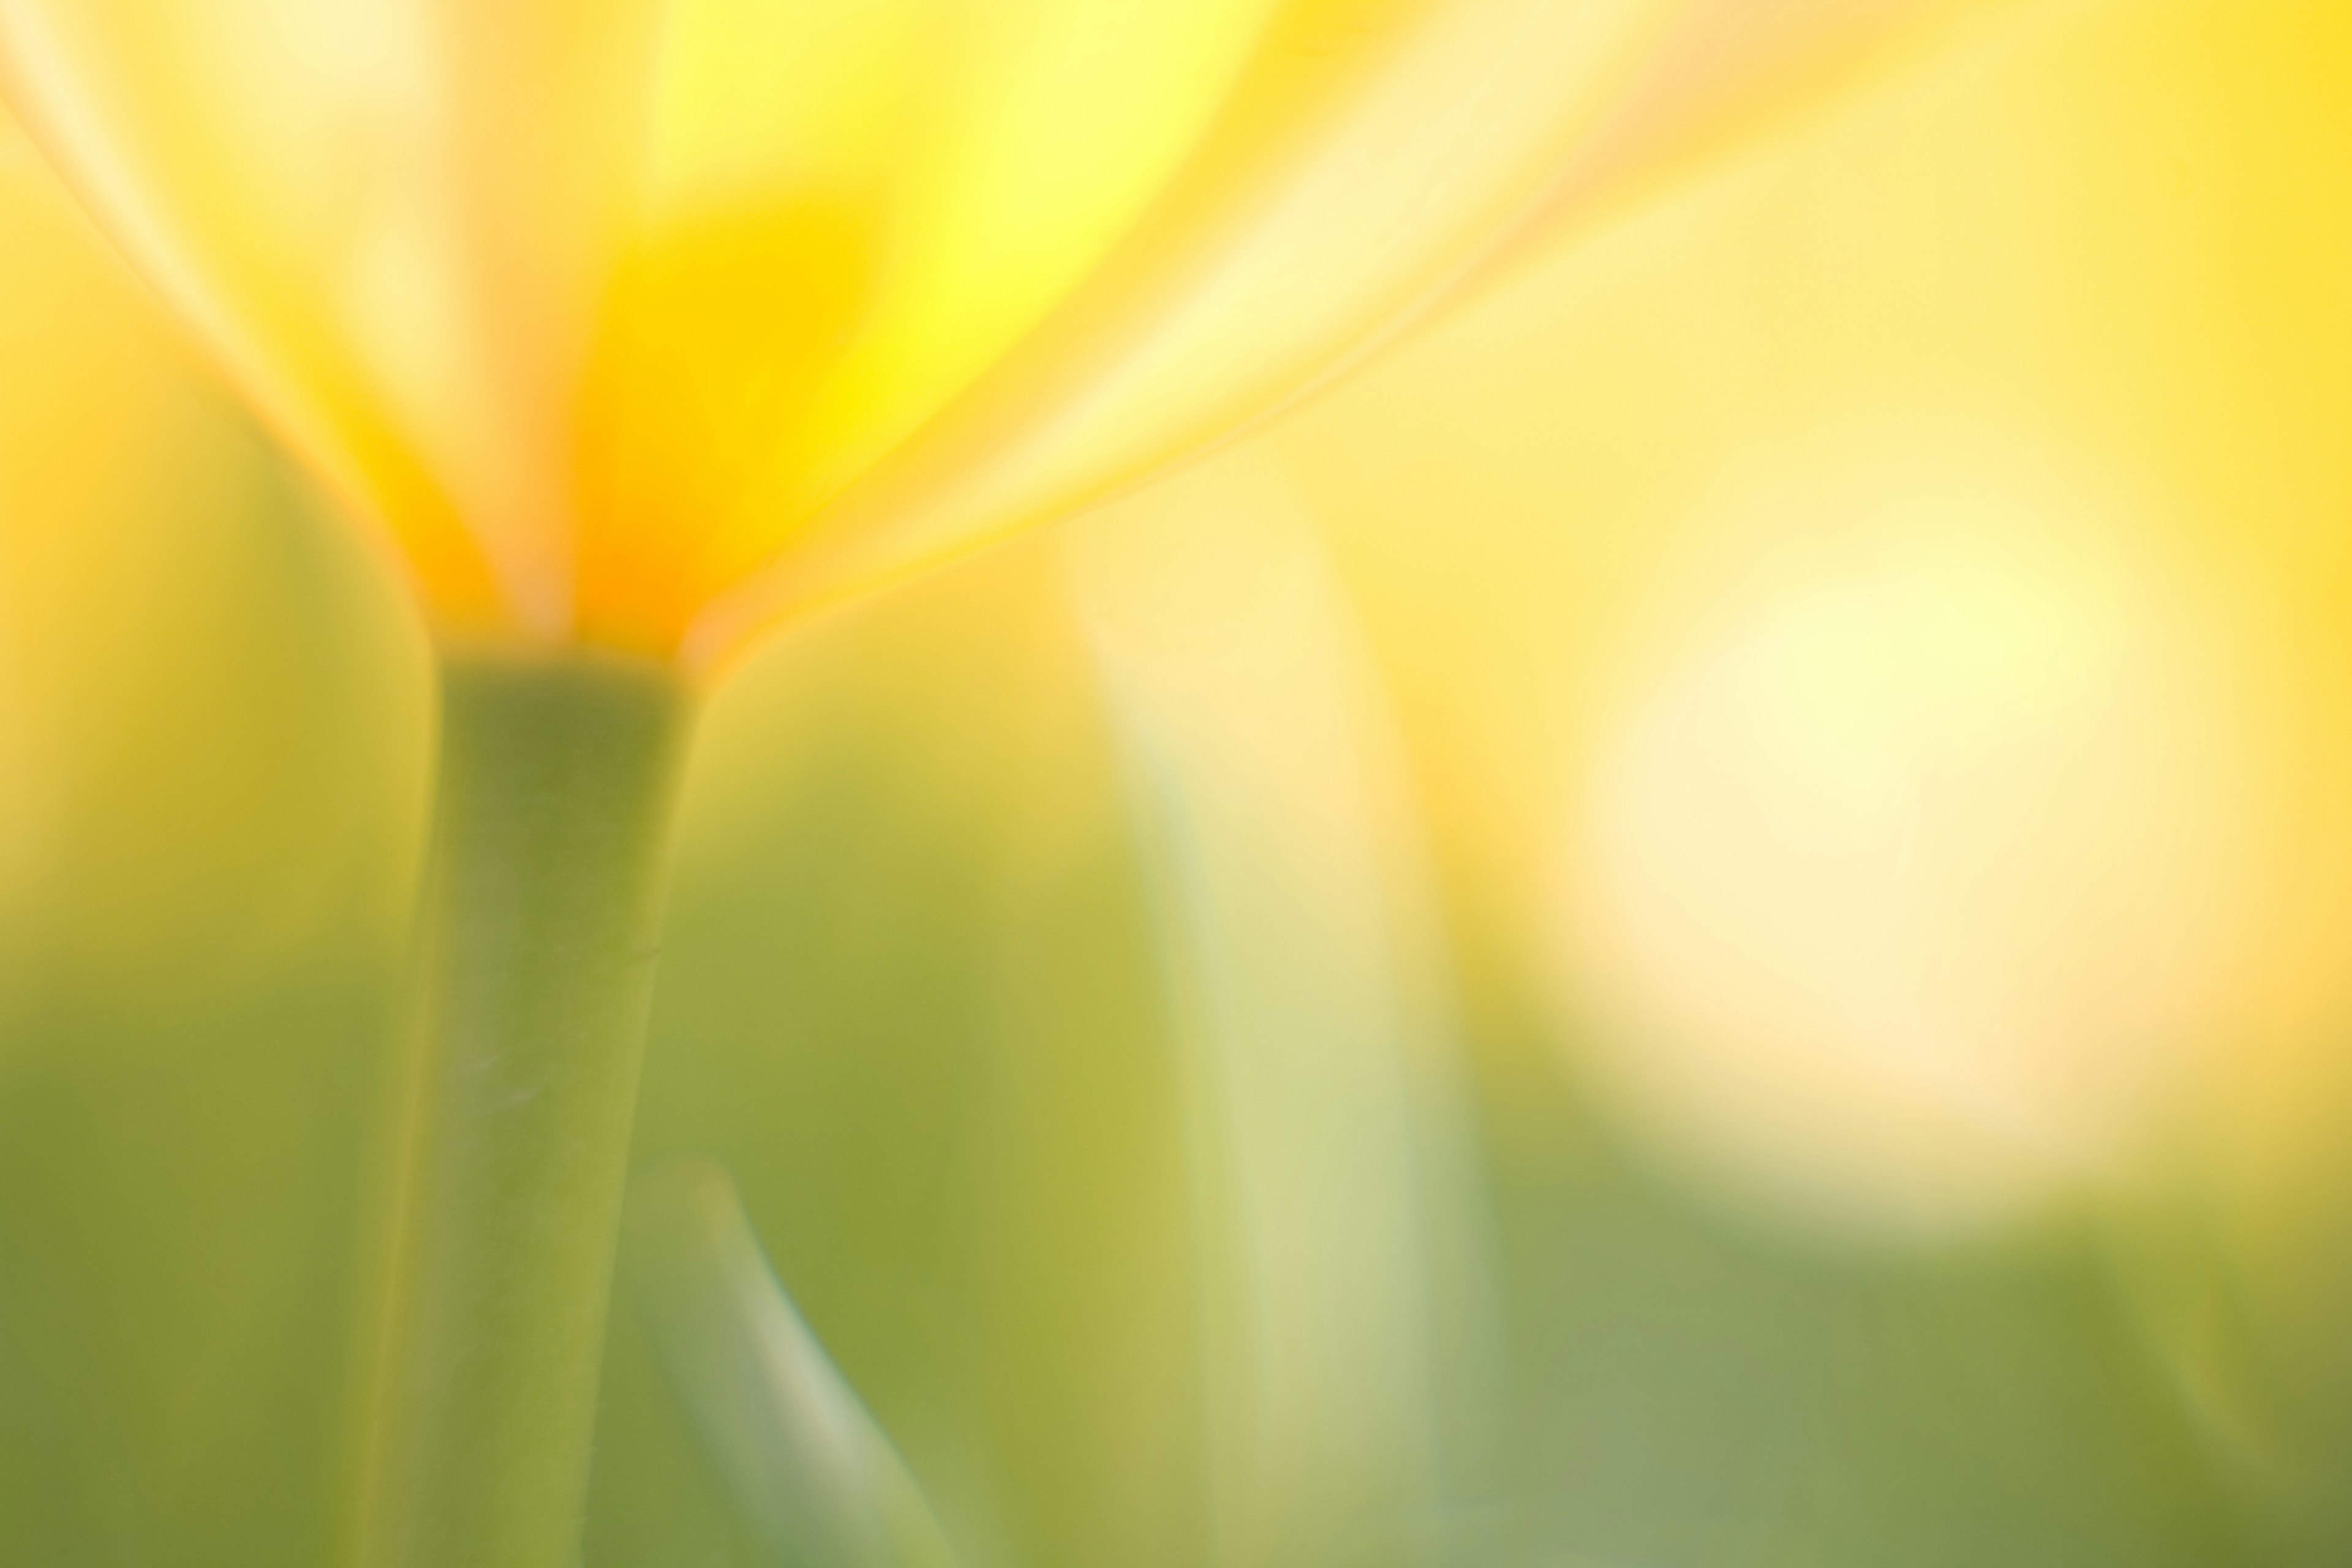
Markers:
(909, 1002)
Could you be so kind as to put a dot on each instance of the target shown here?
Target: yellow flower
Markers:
(638, 323)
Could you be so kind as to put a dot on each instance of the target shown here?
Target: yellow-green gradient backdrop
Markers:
(2079, 289)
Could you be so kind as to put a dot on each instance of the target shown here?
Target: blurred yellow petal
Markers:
(562, 294)
(810, 285)
(645, 321)
(1729, 71)
(144, 686)
(1379, 156)
(281, 169)
(1370, 150)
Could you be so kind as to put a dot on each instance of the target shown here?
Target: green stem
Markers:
(551, 838)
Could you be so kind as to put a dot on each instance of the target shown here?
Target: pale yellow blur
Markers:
(144, 673)
(1331, 1187)
(2077, 293)
(1904, 892)
(644, 323)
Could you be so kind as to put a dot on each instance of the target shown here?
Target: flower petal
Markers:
(1369, 154)
(1381, 156)
(1730, 70)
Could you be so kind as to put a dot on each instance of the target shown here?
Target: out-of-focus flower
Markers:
(639, 324)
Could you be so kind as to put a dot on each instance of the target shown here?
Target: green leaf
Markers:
(816, 1481)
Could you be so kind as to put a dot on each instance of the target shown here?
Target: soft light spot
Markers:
(1900, 896)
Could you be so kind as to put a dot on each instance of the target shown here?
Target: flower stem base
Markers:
(551, 827)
